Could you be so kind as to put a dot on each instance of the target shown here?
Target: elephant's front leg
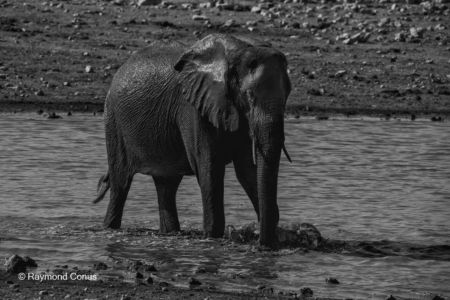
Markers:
(246, 174)
(210, 177)
(166, 188)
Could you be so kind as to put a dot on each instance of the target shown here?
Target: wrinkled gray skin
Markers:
(172, 112)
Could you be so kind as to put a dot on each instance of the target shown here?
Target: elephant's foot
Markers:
(214, 232)
(168, 225)
(268, 242)
(112, 222)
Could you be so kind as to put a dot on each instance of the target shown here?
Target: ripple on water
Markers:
(378, 189)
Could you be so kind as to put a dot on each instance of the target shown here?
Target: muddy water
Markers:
(381, 186)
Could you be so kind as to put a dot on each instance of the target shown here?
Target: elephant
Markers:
(172, 112)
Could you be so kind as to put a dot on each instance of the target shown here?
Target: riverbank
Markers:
(373, 58)
(13, 288)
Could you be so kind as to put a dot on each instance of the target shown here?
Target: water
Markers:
(385, 182)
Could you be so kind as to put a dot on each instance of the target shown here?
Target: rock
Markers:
(43, 293)
(229, 23)
(300, 235)
(331, 280)
(31, 263)
(194, 281)
(383, 22)
(148, 2)
(437, 297)
(340, 73)
(88, 69)
(256, 9)
(200, 18)
(360, 37)
(149, 280)
(390, 297)
(119, 2)
(316, 92)
(16, 264)
(39, 93)
(139, 275)
(436, 119)
(100, 265)
(400, 37)
(150, 268)
(306, 292)
(53, 115)
(322, 117)
(416, 32)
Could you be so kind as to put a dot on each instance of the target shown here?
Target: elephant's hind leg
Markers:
(120, 186)
(167, 187)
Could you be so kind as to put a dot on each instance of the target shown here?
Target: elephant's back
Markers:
(147, 72)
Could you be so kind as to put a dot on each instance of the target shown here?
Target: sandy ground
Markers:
(369, 58)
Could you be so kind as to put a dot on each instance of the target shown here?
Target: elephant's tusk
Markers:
(287, 154)
(254, 151)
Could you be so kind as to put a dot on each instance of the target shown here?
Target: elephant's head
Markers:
(232, 81)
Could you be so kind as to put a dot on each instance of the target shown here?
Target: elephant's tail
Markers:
(102, 187)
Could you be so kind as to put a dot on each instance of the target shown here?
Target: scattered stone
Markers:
(148, 2)
(15, 264)
(150, 268)
(383, 22)
(100, 265)
(39, 93)
(43, 293)
(331, 280)
(30, 262)
(416, 32)
(322, 117)
(340, 73)
(400, 37)
(88, 69)
(200, 18)
(194, 281)
(53, 115)
(360, 37)
(229, 23)
(256, 9)
(306, 292)
(316, 92)
(119, 2)
(436, 119)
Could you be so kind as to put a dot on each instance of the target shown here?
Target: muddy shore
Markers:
(376, 58)
(13, 288)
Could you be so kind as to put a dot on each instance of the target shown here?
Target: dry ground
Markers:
(371, 57)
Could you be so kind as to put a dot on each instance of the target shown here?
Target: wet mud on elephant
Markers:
(172, 112)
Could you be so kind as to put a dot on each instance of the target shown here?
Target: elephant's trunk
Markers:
(269, 137)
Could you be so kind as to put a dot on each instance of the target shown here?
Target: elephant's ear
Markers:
(204, 71)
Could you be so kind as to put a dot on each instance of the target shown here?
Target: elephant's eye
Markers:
(252, 64)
